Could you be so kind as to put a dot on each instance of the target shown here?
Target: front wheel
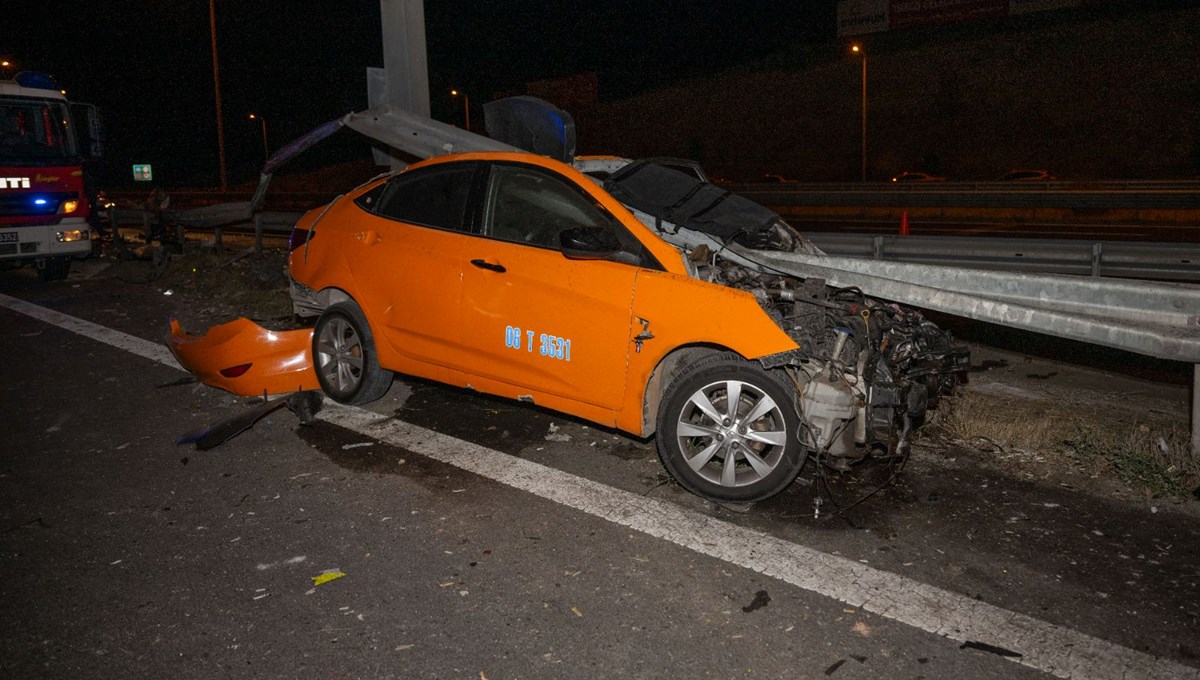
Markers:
(54, 268)
(727, 431)
(343, 351)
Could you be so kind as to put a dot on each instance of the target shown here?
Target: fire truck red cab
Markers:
(43, 202)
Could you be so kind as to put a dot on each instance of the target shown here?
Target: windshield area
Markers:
(34, 131)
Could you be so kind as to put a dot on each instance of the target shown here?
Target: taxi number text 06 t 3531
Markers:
(550, 346)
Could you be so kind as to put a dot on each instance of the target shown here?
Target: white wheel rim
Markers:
(731, 433)
(339, 353)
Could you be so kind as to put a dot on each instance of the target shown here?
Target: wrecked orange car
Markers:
(629, 296)
(614, 299)
(518, 275)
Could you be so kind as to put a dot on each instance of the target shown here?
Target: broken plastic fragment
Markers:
(327, 576)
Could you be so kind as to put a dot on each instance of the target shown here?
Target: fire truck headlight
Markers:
(69, 206)
(72, 235)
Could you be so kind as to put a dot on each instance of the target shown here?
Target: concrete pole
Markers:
(864, 116)
(212, 27)
(405, 64)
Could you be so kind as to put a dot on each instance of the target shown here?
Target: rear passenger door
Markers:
(408, 263)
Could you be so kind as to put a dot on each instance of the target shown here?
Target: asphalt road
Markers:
(482, 538)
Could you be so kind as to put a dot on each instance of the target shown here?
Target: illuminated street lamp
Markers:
(212, 27)
(858, 49)
(466, 105)
(263, 120)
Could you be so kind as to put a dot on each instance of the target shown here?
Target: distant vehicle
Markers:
(1027, 176)
(777, 179)
(908, 176)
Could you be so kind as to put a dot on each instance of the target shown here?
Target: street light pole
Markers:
(858, 49)
(263, 120)
(466, 106)
(212, 26)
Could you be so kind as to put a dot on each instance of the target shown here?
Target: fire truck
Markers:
(45, 142)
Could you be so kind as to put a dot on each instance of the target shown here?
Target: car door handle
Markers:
(484, 264)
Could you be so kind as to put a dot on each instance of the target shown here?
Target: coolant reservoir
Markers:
(829, 406)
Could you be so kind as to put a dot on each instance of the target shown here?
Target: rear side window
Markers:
(433, 197)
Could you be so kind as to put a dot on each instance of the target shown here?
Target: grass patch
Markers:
(1151, 455)
(1156, 460)
(255, 285)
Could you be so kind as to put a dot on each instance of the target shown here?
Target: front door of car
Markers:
(407, 266)
(536, 321)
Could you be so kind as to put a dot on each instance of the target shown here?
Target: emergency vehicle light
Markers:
(36, 80)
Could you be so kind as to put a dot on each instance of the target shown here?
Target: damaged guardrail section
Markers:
(1156, 319)
(1159, 261)
(1161, 320)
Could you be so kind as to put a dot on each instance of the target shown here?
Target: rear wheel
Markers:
(727, 430)
(343, 351)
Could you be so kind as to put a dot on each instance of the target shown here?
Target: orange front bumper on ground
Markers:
(246, 359)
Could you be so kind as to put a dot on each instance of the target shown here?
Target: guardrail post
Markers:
(257, 233)
(217, 237)
(1196, 410)
(1097, 254)
(877, 247)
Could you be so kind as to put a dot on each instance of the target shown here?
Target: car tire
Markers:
(54, 269)
(744, 453)
(343, 352)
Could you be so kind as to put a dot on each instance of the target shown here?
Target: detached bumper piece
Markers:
(246, 359)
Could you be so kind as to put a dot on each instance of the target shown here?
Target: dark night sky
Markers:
(147, 63)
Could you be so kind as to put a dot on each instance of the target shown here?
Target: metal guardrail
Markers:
(1126, 186)
(220, 218)
(1124, 259)
(1166, 196)
(1133, 194)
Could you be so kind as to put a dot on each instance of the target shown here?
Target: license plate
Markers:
(8, 237)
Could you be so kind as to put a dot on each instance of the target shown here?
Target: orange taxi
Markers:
(520, 276)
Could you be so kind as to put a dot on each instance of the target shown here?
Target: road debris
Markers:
(990, 649)
(304, 404)
(761, 599)
(556, 436)
(327, 576)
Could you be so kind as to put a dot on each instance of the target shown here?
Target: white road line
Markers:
(1044, 646)
(129, 343)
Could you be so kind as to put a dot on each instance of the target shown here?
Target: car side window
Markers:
(528, 205)
(434, 197)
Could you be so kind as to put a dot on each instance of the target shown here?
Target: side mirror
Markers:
(589, 243)
(89, 130)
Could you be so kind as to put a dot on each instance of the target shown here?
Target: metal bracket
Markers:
(643, 336)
